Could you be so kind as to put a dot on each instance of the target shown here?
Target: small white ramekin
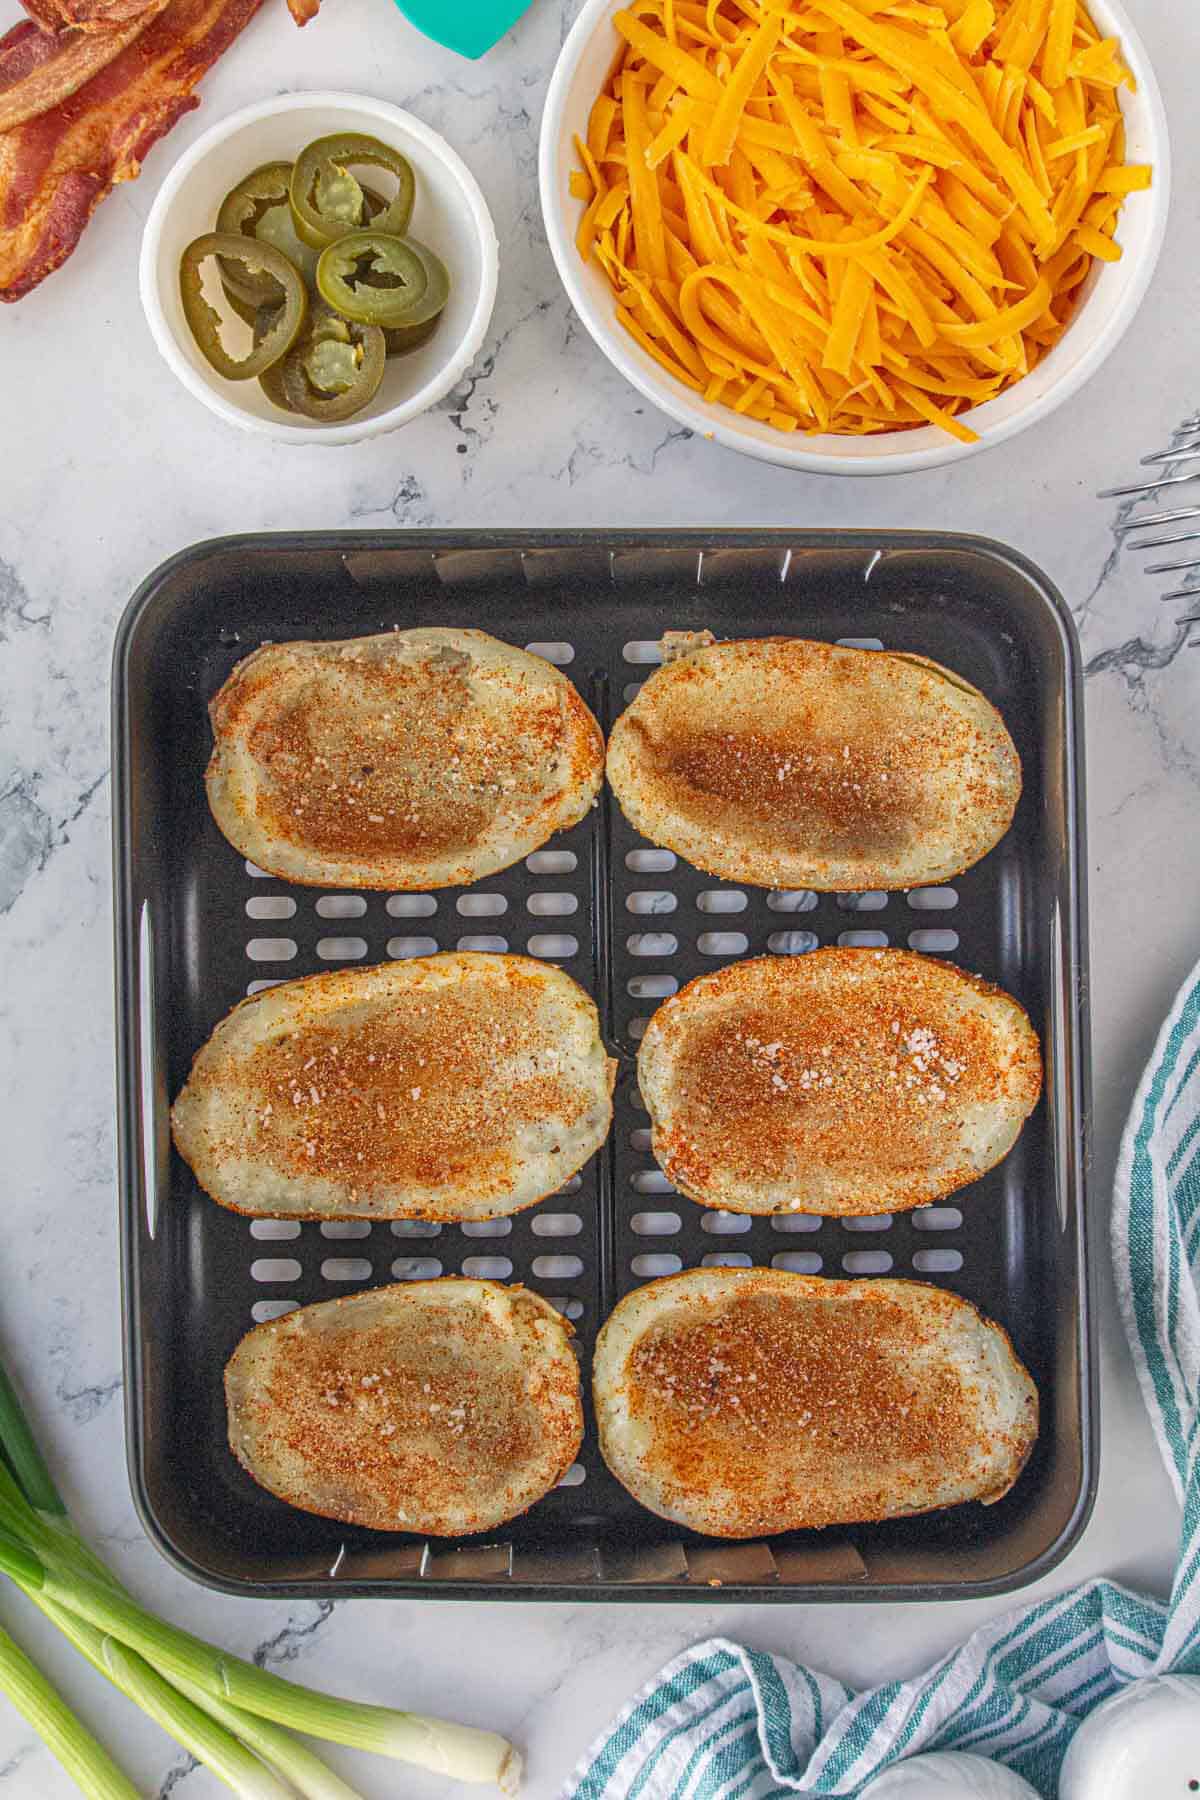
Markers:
(1113, 293)
(450, 215)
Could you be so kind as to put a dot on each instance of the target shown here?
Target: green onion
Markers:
(218, 1736)
(86, 1762)
(300, 1766)
(303, 1769)
(17, 1560)
(24, 1457)
(227, 1712)
(214, 1744)
(229, 1759)
(458, 1751)
(16, 1514)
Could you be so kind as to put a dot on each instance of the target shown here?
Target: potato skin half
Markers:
(785, 763)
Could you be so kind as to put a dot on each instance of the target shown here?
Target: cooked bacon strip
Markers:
(57, 67)
(85, 15)
(44, 14)
(56, 169)
(23, 50)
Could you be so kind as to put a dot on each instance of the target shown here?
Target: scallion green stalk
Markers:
(24, 1457)
(87, 1763)
(221, 1707)
(210, 1743)
(458, 1752)
(24, 1565)
(16, 1514)
(303, 1769)
(300, 1767)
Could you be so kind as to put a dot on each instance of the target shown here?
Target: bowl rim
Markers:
(438, 385)
(674, 400)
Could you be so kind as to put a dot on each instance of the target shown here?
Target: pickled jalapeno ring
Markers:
(317, 263)
(328, 201)
(374, 279)
(437, 290)
(334, 369)
(241, 211)
(271, 380)
(277, 227)
(243, 308)
(400, 339)
(205, 321)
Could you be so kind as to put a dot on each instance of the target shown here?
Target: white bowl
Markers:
(1113, 293)
(450, 215)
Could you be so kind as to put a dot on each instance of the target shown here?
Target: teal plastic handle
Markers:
(470, 27)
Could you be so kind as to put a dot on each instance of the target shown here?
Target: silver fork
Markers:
(1184, 449)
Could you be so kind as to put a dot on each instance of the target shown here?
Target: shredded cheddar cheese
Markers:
(854, 215)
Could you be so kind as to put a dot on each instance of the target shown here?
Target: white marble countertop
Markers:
(109, 467)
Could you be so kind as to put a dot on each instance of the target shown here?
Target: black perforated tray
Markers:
(197, 927)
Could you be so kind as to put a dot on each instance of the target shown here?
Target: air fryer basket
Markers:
(197, 928)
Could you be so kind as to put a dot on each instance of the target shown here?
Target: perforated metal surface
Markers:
(199, 928)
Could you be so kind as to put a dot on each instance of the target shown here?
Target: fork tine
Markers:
(1185, 448)
(1147, 487)
(1179, 537)
(1181, 453)
(1149, 521)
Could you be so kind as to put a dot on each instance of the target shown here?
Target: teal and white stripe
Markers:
(725, 1723)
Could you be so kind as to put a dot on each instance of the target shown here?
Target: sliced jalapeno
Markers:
(328, 201)
(437, 290)
(400, 339)
(278, 228)
(242, 209)
(374, 279)
(256, 259)
(243, 308)
(271, 380)
(334, 369)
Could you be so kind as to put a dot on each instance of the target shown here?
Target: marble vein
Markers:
(471, 391)
(26, 837)
(294, 1639)
(175, 1776)
(1136, 656)
(12, 1764)
(83, 1403)
(409, 505)
(28, 834)
(15, 602)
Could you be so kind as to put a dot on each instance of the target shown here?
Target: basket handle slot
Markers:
(151, 1094)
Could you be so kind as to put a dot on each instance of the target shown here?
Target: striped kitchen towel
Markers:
(725, 1723)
